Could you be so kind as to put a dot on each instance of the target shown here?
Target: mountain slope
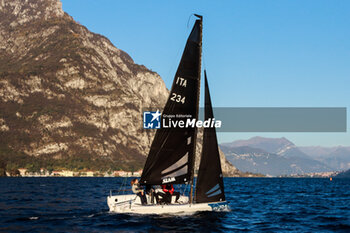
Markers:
(68, 97)
(271, 156)
(267, 144)
(255, 160)
(337, 158)
(345, 174)
(68, 92)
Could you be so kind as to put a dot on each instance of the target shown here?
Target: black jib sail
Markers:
(210, 185)
(171, 157)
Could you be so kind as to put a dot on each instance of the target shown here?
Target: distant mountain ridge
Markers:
(345, 174)
(337, 157)
(272, 146)
(271, 156)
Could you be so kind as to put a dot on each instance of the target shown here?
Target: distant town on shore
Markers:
(23, 172)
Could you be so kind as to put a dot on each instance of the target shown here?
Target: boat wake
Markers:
(222, 208)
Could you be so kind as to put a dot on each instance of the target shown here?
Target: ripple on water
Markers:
(271, 205)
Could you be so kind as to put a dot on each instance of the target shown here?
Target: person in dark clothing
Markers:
(151, 192)
(163, 199)
(169, 192)
(135, 186)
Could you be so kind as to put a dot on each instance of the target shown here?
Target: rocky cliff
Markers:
(69, 97)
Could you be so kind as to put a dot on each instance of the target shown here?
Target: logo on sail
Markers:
(168, 180)
(151, 120)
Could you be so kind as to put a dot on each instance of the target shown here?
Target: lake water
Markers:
(257, 204)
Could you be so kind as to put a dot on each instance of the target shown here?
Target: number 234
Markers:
(178, 98)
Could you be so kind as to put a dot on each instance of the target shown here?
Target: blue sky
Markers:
(257, 53)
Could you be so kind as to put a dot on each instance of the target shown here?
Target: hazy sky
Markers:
(257, 53)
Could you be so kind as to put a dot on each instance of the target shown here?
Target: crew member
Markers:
(135, 186)
(169, 192)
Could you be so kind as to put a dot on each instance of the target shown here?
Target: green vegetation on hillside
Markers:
(11, 161)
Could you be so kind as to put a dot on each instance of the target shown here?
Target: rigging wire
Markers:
(179, 50)
(122, 186)
(184, 190)
(189, 18)
(203, 59)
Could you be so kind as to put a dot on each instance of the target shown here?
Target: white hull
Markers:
(132, 204)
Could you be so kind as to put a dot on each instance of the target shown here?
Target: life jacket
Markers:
(168, 188)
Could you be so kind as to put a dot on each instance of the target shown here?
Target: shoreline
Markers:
(248, 177)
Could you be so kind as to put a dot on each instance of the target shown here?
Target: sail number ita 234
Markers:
(182, 82)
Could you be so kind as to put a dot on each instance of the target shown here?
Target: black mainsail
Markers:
(210, 185)
(171, 157)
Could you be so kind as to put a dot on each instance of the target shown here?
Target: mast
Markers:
(197, 105)
(171, 156)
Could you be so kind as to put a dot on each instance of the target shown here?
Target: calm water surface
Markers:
(257, 204)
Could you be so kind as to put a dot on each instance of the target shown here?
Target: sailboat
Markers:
(172, 154)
